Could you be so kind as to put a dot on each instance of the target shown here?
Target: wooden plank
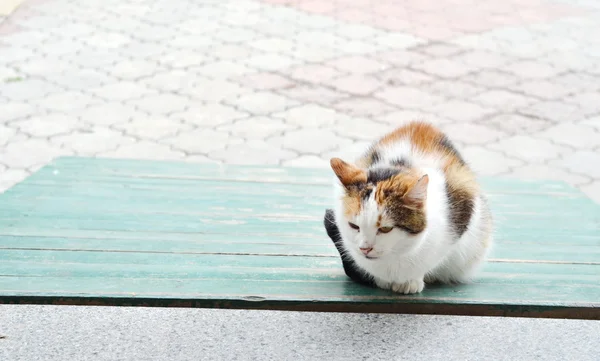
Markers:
(122, 232)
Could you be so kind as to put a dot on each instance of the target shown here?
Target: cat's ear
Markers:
(347, 173)
(417, 194)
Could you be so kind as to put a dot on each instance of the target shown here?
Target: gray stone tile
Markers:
(310, 141)
(580, 162)
(161, 103)
(530, 149)
(486, 162)
(593, 191)
(469, 133)
(93, 141)
(48, 125)
(261, 103)
(30, 152)
(256, 127)
(67, 101)
(253, 152)
(545, 172)
(201, 141)
(209, 115)
(578, 136)
(144, 150)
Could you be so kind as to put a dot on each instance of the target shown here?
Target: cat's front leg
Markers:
(409, 287)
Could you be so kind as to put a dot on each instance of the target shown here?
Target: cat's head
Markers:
(381, 211)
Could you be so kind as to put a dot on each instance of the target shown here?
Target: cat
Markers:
(409, 211)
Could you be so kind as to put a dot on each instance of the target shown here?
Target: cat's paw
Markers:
(408, 287)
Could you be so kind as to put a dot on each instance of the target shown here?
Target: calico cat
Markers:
(409, 211)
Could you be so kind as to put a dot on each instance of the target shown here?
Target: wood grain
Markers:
(168, 234)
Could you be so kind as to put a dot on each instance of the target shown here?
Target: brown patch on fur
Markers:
(462, 187)
(404, 200)
(378, 221)
(347, 173)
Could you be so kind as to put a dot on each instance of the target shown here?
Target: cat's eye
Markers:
(385, 229)
(353, 226)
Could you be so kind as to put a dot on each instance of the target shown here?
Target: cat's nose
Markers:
(366, 251)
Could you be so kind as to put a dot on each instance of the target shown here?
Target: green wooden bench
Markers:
(87, 231)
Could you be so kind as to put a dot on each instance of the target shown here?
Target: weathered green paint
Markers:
(145, 233)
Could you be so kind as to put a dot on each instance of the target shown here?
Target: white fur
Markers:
(404, 261)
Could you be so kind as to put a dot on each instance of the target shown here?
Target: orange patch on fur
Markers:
(348, 173)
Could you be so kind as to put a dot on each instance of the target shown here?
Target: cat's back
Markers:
(417, 144)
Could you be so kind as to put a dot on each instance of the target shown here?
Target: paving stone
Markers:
(310, 115)
(215, 90)
(28, 38)
(14, 54)
(80, 79)
(10, 177)
(361, 128)
(480, 59)
(97, 58)
(161, 103)
(407, 97)
(363, 107)
(107, 40)
(67, 101)
(470, 133)
(306, 161)
(27, 89)
(400, 58)
(272, 44)
(312, 53)
(588, 103)
(357, 84)
(222, 69)
(153, 128)
(264, 81)
(123, 90)
(581, 162)
(401, 76)
(400, 117)
(530, 149)
(43, 66)
(444, 68)
(579, 136)
(517, 123)
(209, 115)
(6, 134)
(184, 58)
(144, 150)
(313, 94)
(491, 78)
(593, 191)
(545, 89)
(544, 172)
(263, 102)
(231, 52)
(321, 140)
(259, 127)
(486, 162)
(270, 62)
(200, 159)
(440, 49)
(461, 110)
(16, 110)
(593, 122)
(453, 89)
(531, 69)
(48, 125)
(314, 73)
(93, 141)
(579, 81)
(357, 65)
(201, 141)
(29, 152)
(253, 152)
(395, 40)
(172, 80)
(552, 110)
(348, 152)
(502, 99)
(134, 69)
(110, 113)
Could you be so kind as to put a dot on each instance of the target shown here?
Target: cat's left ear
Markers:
(347, 173)
(417, 194)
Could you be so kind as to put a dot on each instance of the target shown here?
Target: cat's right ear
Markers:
(347, 173)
